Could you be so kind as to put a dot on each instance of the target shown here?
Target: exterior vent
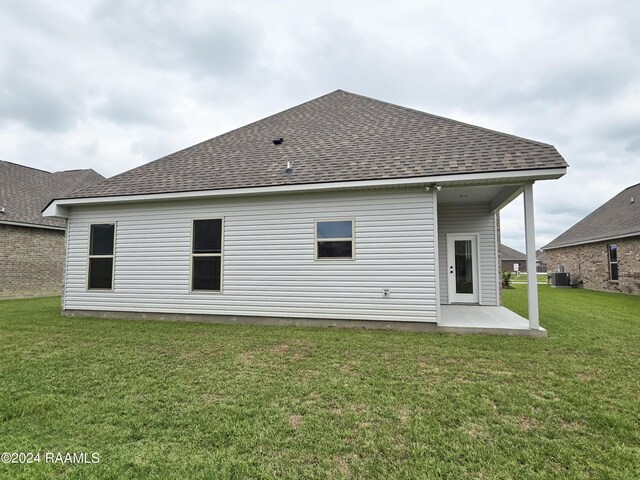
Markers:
(278, 141)
(288, 170)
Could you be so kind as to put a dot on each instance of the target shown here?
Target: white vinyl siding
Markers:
(269, 248)
(472, 219)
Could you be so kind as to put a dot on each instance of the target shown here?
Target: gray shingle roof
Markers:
(619, 217)
(24, 191)
(508, 253)
(337, 137)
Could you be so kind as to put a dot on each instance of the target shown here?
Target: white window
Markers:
(613, 262)
(101, 248)
(335, 239)
(206, 255)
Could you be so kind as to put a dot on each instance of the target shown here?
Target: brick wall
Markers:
(591, 263)
(31, 261)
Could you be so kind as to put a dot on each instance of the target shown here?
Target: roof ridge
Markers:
(75, 170)
(75, 191)
(25, 166)
(459, 122)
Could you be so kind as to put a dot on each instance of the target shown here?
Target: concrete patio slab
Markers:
(480, 319)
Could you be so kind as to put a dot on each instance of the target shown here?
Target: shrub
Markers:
(506, 279)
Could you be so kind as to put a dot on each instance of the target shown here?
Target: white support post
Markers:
(436, 254)
(532, 277)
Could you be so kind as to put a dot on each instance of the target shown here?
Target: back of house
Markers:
(342, 209)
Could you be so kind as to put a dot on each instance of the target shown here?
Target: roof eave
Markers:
(595, 240)
(59, 208)
(31, 225)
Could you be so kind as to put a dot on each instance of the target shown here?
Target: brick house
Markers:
(541, 261)
(509, 257)
(603, 249)
(32, 247)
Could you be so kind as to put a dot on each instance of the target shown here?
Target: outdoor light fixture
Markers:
(429, 187)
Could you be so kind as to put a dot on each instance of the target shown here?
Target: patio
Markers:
(479, 319)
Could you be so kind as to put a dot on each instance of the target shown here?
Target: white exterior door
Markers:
(462, 268)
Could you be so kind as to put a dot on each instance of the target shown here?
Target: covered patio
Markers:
(468, 229)
(481, 319)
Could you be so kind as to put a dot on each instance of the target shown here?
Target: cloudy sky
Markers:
(114, 84)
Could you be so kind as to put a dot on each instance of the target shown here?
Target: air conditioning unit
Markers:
(560, 280)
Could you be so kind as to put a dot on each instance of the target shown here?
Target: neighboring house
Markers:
(541, 262)
(344, 210)
(510, 257)
(32, 248)
(603, 249)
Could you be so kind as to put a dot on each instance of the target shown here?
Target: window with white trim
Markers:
(101, 248)
(206, 255)
(613, 262)
(335, 239)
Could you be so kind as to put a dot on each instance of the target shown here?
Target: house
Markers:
(512, 260)
(603, 249)
(541, 261)
(344, 210)
(31, 246)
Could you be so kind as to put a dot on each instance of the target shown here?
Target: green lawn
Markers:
(540, 277)
(176, 400)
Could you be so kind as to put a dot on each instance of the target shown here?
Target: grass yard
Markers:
(176, 400)
(540, 277)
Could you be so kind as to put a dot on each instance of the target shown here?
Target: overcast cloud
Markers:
(111, 85)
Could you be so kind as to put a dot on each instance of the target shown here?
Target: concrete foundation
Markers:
(483, 326)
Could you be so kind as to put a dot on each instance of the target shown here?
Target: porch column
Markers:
(532, 276)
